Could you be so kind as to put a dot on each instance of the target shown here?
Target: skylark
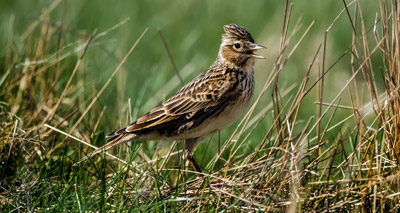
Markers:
(210, 102)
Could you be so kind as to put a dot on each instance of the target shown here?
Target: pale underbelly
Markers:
(220, 122)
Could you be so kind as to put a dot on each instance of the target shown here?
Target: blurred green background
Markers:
(193, 31)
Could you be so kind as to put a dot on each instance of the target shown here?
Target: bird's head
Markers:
(238, 46)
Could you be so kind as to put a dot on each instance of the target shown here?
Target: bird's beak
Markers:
(254, 48)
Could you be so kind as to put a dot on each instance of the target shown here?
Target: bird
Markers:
(211, 102)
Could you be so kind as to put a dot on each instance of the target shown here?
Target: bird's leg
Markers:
(190, 145)
(192, 162)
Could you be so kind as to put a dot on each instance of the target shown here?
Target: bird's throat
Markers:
(244, 64)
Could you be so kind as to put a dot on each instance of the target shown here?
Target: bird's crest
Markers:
(236, 32)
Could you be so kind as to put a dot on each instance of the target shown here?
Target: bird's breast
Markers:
(229, 110)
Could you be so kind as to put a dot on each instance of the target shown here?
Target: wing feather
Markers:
(197, 96)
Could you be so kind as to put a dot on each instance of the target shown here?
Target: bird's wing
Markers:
(197, 96)
(203, 93)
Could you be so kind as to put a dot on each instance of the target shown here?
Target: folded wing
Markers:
(197, 97)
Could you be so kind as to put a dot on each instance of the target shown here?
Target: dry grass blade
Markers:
(103, 88)
(170, 57)
(83, 142)
(109, 80)
(64, 92)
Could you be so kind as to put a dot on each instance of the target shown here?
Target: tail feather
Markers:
(116, 133)
(118, 139)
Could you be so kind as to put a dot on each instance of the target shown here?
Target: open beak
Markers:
(254, 48)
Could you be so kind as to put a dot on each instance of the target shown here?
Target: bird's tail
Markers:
(118, 139)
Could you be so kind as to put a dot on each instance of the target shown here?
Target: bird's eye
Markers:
(236, 45)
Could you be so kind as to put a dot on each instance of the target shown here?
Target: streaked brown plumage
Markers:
(210, 102)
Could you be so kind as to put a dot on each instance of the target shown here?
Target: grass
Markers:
(321, 134)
